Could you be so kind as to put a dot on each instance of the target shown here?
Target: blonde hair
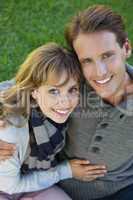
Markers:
(34, 72)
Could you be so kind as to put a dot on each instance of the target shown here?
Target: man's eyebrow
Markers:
(85, 59)
(108, 52)
(103, 53)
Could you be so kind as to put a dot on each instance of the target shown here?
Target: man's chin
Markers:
(107, 95)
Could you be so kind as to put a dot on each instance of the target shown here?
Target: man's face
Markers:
(103, 61)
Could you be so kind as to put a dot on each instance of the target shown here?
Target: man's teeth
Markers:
(104, 80)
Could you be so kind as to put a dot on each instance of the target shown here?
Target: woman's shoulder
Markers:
(14, 129)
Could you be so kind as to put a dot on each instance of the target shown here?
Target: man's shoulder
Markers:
(6, 84)
(129, 69)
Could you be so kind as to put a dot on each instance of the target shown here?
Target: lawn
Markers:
(24, 25)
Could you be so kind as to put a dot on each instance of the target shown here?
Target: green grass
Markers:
(24, 25)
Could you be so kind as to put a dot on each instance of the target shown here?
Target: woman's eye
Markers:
(54, 91)
(74, 90)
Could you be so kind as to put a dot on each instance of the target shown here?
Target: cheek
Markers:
(88, 72)
(44, 106)
(75, 102)
(117, 67)
(117, 64)
(43, 102)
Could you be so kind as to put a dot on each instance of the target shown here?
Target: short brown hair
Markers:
(94, 19)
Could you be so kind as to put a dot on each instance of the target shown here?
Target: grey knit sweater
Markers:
(103, 134)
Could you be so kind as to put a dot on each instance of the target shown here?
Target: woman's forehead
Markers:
(57, 78)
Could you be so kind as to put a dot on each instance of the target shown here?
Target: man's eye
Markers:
(105, 56)
(54, 91)
(86, 61)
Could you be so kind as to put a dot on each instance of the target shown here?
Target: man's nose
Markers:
(101, 69)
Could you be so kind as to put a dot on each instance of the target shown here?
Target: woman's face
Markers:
(57, 102)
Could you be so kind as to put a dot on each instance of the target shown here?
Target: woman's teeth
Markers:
(62, 111)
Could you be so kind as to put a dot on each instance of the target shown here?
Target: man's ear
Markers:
(128, 48)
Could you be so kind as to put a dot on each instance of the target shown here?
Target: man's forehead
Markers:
(100, 36)
(95, 43)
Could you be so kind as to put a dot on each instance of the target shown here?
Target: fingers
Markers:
(84, 170)
(92, 167)
(88, 165)
(97, 172)
(6, 152)
(7, 146)
(5, 157)
(80, 162)
(93, 172)
(92, 177)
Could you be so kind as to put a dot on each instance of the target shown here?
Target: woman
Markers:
(36, 109)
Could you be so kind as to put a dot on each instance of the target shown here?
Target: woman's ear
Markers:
(128, 48)
(34, 94)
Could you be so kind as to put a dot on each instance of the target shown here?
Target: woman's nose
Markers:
(64, 101)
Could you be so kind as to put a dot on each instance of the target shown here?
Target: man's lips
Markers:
(104, 81)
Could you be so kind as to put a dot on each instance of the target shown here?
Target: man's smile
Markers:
(104, 81)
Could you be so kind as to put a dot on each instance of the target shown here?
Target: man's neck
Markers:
(121, 93)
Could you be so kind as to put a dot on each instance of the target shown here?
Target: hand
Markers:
(85, 171)
(6, 150)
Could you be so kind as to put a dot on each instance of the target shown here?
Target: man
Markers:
(101, 127)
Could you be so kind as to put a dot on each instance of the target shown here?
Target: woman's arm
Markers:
(6, 149)
(11, 180)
